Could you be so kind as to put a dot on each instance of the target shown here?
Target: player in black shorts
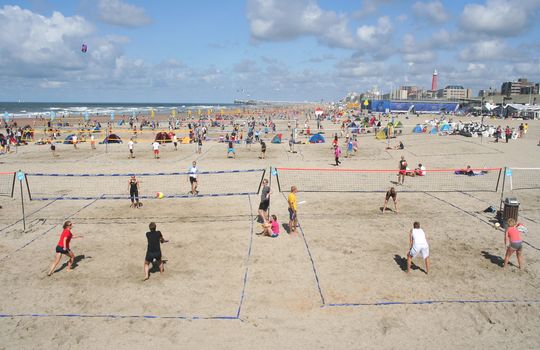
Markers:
(265, 201)
(153, 252)
(133, 186)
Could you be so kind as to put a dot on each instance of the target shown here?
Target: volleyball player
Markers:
(133, 186)
(63, 248)
(193, 178)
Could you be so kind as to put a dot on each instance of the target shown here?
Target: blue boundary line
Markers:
(143, 197)
(47, 231)
(312, 264)
(247, 262)
(431, 302)
(114, 316)
(111, 316)
(311, 259)
(27, 216)
(145, 174)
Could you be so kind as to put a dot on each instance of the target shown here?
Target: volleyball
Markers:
(497, 225)
(160, 195)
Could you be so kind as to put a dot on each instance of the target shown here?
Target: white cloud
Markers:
(51, 84)
(499, 17)
(279, 20)
(119, 13)
(33, 44)
(431, 11)
(374, 36)
(490, 50)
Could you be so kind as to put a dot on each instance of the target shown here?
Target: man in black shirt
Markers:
(153, 252)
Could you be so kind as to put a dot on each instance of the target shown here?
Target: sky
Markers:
(276, 50)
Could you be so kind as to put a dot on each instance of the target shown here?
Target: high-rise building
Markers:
(434, 81)
(519, 87)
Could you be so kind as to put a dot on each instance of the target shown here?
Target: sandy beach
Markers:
(339, 284)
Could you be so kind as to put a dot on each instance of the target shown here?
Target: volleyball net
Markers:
(524, 178)
(7, 183)
(42, 186)
(357, 180)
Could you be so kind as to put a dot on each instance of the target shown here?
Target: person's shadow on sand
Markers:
(286, 227)
(497, 260)
(75, 263)
(402, 263)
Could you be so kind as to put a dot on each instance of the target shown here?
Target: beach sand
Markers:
(339, 284)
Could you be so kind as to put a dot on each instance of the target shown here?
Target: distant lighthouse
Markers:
(434, 81)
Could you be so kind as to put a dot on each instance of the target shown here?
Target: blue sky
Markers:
(284, 50)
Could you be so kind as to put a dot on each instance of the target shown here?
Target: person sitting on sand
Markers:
(390, 193)
(420, 171)
(400, 146)
(271, 228)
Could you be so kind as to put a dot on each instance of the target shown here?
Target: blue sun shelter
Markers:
(317, 138)
(418, 129)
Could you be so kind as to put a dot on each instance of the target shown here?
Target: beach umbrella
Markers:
(112, 116)
(53, 115)
(86, 116)
(6, 116)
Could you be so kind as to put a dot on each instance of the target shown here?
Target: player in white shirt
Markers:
(130, 146)
(193, 178)
(417, 245)
(155, 145)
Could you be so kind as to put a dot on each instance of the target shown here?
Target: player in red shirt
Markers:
(63, 248)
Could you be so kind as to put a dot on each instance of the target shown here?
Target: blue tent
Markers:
(69, 139)
(277, 139)
(446, 128)
(96, 129)
(317, 138)
(434, 131)
(417, 129)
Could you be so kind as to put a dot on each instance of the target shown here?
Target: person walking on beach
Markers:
(92, 141)
(508, 133)
(263, 150)
(63, 247)
(230, 149)
(155, 146)
(199, 145)
(133, 186)
(402, 170)
(130, 147)
(293, 214)
(193, 178)
(337, 153)
(418, 244)
(391, 193)
(513, 243)
(74, 141)
(153, 250)
(175, 142)
(265, 201)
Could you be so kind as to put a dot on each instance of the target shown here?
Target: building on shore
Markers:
(520, 87)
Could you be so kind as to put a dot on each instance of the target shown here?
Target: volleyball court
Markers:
(207, 256)
(359, 253)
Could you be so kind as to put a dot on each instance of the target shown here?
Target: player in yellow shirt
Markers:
(293, 220)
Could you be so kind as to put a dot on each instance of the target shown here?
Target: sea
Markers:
(74, 109)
